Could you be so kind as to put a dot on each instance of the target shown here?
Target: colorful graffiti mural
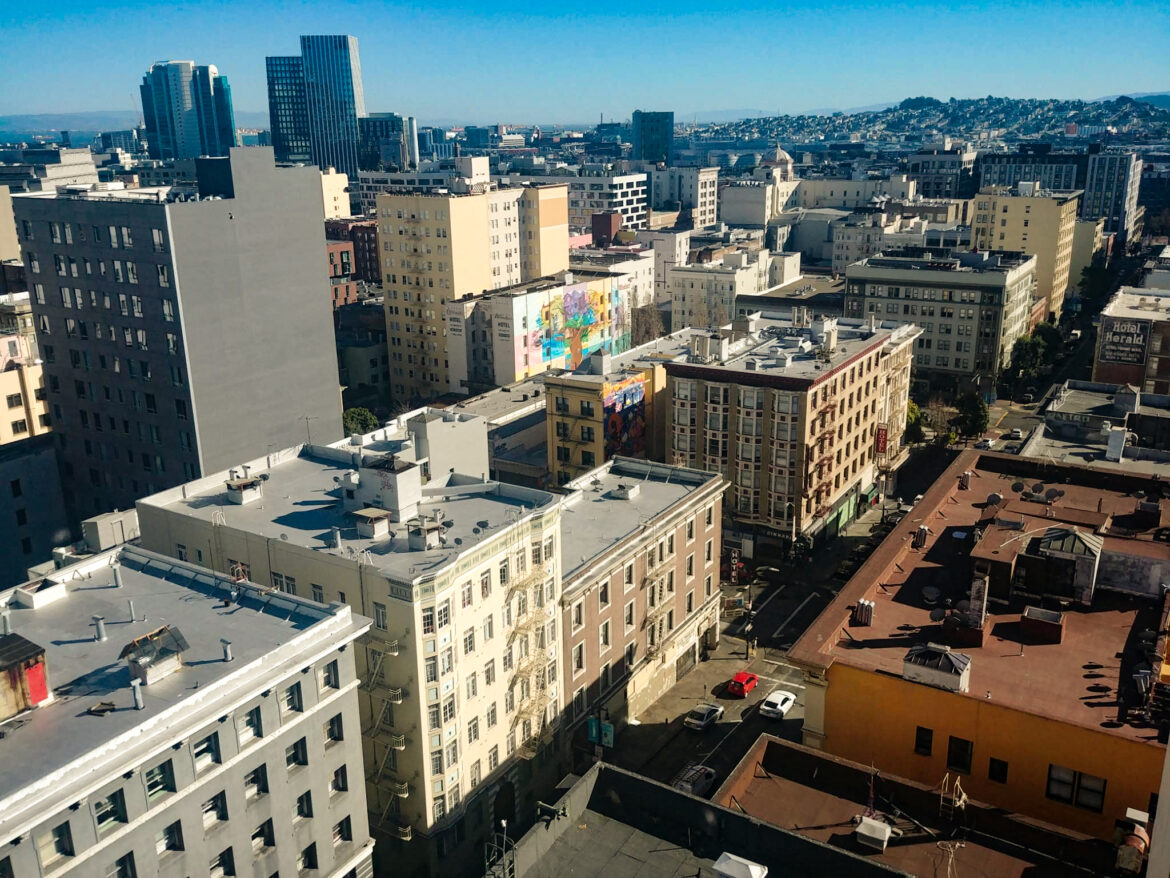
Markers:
(577, 320)
(625, 416)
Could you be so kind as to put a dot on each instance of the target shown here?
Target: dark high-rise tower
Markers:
(187, 111)
(318, 95)
(653, 136)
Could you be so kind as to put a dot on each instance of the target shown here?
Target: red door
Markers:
(37, 690)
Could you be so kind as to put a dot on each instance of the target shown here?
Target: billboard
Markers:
(1124, 340)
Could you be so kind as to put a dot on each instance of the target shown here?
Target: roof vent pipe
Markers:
(136, 687)
(99, 624)
(246, 467)
(130, 608)
(7, 617)
(117, 575)
(336, 537)
(227, 649)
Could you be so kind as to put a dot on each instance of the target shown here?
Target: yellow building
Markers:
(335, 194)
(436, 246)
(24, 411)
(1028, 219)
(1088, 243)
(993, 640)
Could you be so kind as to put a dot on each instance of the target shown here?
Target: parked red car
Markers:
(741, 684)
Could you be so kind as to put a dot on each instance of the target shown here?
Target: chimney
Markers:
(336, 537)
(99, 624)
(227, 649)
(136, 688)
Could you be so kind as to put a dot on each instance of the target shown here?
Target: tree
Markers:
(914, 429)
(1027, 357)
(1052, 339)
(359, 420)
(647, 324)
(972, 417)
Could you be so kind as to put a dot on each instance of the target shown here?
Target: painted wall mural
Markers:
(625, 416)
(576, 320)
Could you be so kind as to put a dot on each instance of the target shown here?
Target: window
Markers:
(603, 595)
(160, 780)
(629, 575)
(222, 864)
(340, 781)
(342, 831)
(923, 741)
(14, 400)
(432, 669)
(206, 752)
(428, 620)
(473, 730)
(256, 782)
(215, 810)
(578, 658)
(1073, 787)
(317, 591)
(493, 758)
(262, 836)
(488, 629)
(380, 616)
(452, 753)
(169, 838)
(491, 715)
(959, 752)
(472, 685)
(447, 662)
(333, 730)
(296, 753)
(110, 811)
(605, 635)
(466, 595)
(629, 617)
(443, 615)
(997, 770)
(475, 774)
(55, 844)
(304, 806)
(307, 858)
(248, 725)
(330, 676)
(690, 566)
(290, 699)
(434, 720)
(123, 867)
(436, 762)
(449, 709)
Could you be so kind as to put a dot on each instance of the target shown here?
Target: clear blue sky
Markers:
(502, 60)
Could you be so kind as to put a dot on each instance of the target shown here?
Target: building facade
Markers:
(690, 189)
(598, 192)
(436, 247)
(315, 100)
(1133, 341)
(971, 307)
(32, 507)
(164, 324)
(187, 111)
(516, 332)
(704, 294)
(25, 412)
(653, 136)
(342, 286)
(388, 141)
(1027, 219)
(943, 173)
(363, 234)
(801, 417)
(44, 168)
(334, 194)
(220, 743)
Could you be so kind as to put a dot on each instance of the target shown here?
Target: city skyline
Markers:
(432, 64)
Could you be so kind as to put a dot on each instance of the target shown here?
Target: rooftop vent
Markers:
(936, 665)
(245, 489)
(626, 492)
(156, 655)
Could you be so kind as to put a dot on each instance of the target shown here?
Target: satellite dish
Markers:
(475, 530)
(994, 499)
(459, 541)
(448, 523)
(337, 480)
(284, 537)
(937, 614)
(1017, 487)
(1038, 488)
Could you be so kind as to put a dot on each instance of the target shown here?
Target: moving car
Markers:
(777, 704)
(741, 684)
(694, 779)
(703, 716)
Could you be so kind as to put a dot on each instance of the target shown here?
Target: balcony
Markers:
(394, 696)
(400, 788)
(396, 742)
(402, 831)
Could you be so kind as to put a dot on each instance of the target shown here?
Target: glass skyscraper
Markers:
(187, 111)
(318, 96)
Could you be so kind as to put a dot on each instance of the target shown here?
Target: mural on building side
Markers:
(577, 320)
(625, 416)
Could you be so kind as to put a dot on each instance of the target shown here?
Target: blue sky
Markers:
(508, 61)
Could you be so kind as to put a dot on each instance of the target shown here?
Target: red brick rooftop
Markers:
(1076, 681)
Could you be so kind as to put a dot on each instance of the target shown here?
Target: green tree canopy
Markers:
(972, 416)
(359, 420)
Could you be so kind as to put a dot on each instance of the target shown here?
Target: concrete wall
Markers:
(30, 491)
(258, 331)
(9, 248)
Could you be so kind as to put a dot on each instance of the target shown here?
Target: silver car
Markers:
(703, 716)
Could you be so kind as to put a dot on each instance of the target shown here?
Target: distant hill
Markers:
(27, 126)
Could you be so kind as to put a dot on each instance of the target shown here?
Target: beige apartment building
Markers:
(803, 418)
(1028, 219)
(439, 245)
(23, 410)
(465, 674)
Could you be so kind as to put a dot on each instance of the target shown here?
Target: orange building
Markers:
(1007, 634)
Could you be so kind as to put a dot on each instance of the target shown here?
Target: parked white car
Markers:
(985, 444)
(777, 704)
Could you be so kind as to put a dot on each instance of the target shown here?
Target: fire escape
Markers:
(657, 606)
(529, 676)
(384, 693)
(824, 435)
